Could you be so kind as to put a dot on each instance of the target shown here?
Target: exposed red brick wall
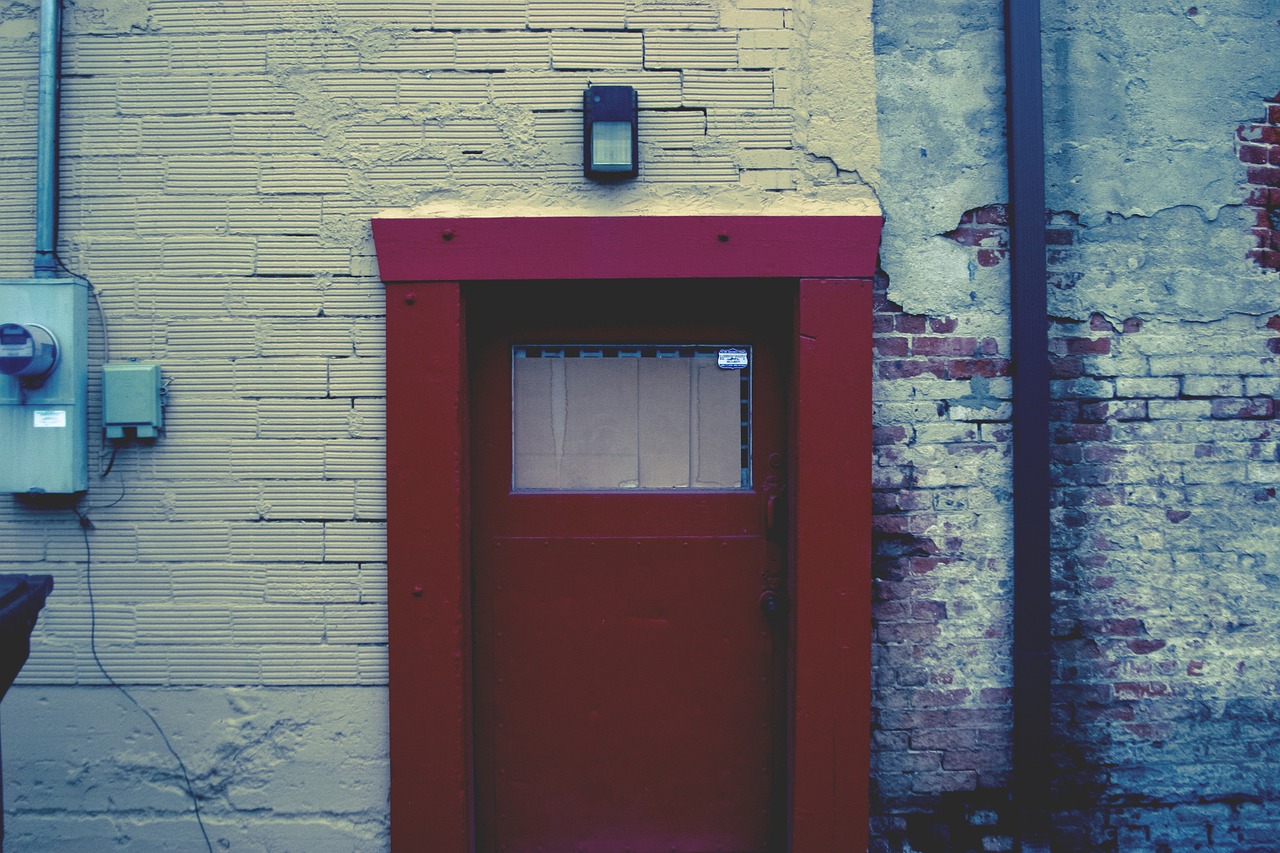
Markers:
(1258, 144)
(1165, 461)
(986, 231)
(942, 702)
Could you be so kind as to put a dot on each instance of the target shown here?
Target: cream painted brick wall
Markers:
(501, 51)
(579, 14)
(220, 162)
(694, 49)
(578, 50)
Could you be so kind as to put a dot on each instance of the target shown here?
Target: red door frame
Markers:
(426, 265)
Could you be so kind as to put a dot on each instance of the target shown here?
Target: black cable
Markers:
(115, 451)
(93, 294)
(85, 526)
(87, 284)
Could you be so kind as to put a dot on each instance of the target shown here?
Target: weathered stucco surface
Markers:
(276, 769)
(1142, 101)
(1176, 263)
(1141, 110)
(940, 72)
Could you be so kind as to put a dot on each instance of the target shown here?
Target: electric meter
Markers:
(28, 352)
(44, 386)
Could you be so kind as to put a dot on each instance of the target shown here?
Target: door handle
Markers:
(774, 516)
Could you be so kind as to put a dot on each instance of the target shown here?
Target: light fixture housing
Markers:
(610, 140)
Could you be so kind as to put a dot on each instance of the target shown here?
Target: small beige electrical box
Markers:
(132, 400)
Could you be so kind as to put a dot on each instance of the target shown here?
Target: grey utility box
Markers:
(132, 396)
(43, 410)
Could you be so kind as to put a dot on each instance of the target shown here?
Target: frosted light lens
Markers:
(611, 146)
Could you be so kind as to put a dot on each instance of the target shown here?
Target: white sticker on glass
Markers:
(732, 359)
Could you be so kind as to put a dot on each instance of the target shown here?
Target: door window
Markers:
(601, 418)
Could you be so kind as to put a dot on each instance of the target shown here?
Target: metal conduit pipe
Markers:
(1030, 346)
(46, 261)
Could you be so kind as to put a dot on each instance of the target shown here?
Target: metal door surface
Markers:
(629, 640)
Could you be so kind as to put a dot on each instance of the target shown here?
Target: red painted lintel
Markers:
(542, 248)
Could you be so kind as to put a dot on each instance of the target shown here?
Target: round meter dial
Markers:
(28, 352)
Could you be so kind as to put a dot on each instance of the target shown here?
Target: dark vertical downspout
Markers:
(1031, 602)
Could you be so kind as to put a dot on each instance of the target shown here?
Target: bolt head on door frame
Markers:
(428, 265)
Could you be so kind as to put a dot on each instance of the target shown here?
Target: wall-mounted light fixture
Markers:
(610, 143)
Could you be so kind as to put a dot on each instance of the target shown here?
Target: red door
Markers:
(628, 536)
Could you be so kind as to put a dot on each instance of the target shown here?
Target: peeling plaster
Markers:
(106, 15)
(1139, 148)
(1174, 264)
(838, 73)
(1133, 133)
(1145, 153)
(18, 25)
(941, 127)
